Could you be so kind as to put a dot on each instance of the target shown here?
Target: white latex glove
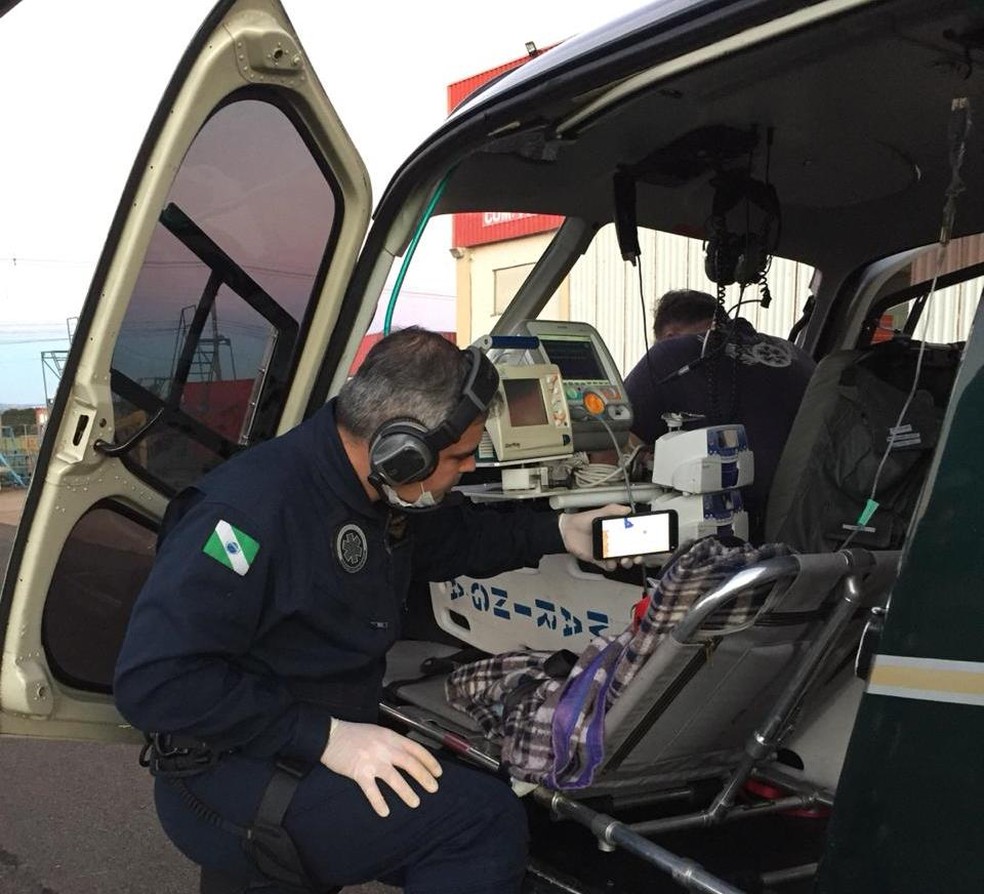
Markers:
(365, 752)
(576, 531)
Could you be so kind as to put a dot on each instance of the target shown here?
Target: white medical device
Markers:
(530, 419)
(702, 471)
(703, 460)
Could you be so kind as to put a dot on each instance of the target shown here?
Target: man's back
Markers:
(758, 381)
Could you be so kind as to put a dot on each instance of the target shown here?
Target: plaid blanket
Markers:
(550, 717)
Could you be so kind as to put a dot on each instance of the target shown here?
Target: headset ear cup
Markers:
(721, 259)
(403, 450)
(400, 454)
(751, 262)
(710, 260)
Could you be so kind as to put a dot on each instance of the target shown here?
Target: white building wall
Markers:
(484, 260)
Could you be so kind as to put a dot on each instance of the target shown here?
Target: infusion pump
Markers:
(700, 473)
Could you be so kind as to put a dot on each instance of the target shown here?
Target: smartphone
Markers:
(637, 534)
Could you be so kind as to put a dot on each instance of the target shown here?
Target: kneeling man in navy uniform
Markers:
(255, 653)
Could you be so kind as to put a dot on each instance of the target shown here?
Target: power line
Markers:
(16, 260)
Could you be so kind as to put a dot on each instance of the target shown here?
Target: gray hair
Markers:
(410, 374)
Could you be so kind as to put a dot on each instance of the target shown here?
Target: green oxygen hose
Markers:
(388, 319)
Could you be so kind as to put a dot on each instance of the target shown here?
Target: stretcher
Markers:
(707, 704)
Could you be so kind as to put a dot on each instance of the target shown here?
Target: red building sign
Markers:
(482, 227)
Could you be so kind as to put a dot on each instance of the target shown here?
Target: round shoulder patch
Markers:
(772, 352)
(351, 547)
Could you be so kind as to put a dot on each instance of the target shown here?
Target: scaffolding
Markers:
(18, 454)
(206, 359)
(53, 364)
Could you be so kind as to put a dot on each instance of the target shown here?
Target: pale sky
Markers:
(86, 78)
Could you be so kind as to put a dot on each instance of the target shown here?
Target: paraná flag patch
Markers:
(231, 547)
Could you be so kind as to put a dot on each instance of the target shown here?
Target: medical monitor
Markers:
(530, 418)
(585, 365)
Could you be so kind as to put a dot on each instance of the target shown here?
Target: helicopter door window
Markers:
(217, 316)
(946, 317)
(99, 572)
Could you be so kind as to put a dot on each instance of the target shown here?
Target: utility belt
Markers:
(265, 840)
(173, 756)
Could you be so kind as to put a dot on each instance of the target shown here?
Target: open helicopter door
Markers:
(201, 334)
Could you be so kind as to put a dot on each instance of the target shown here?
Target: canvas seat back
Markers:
(839, 445)
(695, 703)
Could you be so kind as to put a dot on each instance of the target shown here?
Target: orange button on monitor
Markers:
(594, 403)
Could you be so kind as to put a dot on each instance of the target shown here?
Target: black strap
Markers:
(269, 844)
(558, 665)
(266, 841)
(436, 665)
(431, 667)
(278, 794)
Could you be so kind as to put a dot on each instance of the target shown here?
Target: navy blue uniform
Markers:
(759, 382)
(277, 590)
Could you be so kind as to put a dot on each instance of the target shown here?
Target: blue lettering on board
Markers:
(496, 600)
(572, 623)
(480, 597)
(600, 625)
(548, 618)
(500, 610)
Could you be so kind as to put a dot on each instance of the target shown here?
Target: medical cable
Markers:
(628, 488)
(591, 474)
(645, 337)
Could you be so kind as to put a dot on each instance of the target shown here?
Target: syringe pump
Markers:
(703, 460)
(702, 470)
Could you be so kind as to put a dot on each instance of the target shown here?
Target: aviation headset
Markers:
(404, 450)
(741, 256)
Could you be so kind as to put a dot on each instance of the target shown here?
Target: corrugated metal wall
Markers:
(960, 253)
(951, 310)
(950, 313)
(605, 290)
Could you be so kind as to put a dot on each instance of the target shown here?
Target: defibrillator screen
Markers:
(524, 400)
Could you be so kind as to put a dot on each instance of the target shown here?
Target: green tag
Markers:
(869, 510)
(231, 547)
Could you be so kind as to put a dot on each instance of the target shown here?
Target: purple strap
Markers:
(564, 729)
